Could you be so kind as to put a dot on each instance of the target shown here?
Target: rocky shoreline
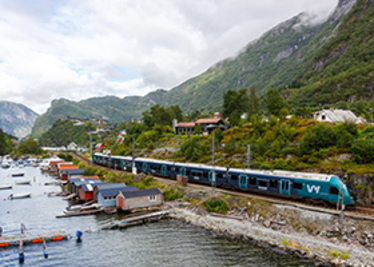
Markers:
(324, 248)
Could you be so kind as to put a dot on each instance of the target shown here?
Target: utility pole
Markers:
(248, 156)
(133, 157)
(90, 147)
(371, 116)
(214, 172)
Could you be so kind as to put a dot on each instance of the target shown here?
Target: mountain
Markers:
(281, 57)
(16, 119)
(343, 69)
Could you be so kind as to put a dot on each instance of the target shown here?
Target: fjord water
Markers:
(165, 243)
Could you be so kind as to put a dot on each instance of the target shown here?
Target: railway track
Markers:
(360, 212)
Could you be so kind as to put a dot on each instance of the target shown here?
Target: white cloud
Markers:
(80, 49)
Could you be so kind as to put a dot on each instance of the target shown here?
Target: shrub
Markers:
(172, 193)
(363, 151)
(214, 204)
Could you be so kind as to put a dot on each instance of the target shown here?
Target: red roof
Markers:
(186, 124)
(208, 120)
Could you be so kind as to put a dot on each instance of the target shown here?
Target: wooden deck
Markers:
(31, 238)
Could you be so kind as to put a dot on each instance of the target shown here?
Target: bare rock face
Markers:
(16, 119)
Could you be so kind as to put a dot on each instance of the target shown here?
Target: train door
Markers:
(285, 187)
(163, 170)
(211, 177)
(243, 181)
(121, 164)
(144, 167)
(183, 172)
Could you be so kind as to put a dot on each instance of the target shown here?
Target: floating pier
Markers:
(29, 238)
(134, 220)
(82, 213)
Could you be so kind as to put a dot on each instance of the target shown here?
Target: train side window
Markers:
(176, 169)
(297, 185)
(188, 171)
(168, 168)
(262, 183)
(334, 190)
(253, 181)
(205, 174)
(273, 183)
(219, 175)
(234, 177)
(159, 167)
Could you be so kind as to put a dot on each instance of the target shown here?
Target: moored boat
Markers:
(23, 181)
(18, 174)
(7, 186)
(19, 195)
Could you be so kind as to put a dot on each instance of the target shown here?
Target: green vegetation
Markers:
(29, 146)
(215, 204)
(172, 193)
(6, 145)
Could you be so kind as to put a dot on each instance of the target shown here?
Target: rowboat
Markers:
(17, 174)
(24, 181)
(19, 195)
(80, 208)
(7, 186)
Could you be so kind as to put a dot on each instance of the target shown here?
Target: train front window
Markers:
(334, 190)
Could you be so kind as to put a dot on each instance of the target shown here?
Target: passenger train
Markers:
(311, 187)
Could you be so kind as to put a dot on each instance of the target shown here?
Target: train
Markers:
(315, 188)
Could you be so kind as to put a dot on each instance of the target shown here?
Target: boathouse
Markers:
(107, 197)
(139, 199)
(53, 166)
(64, 171)
(73, 174)
(85, 190)
(106, 185)
(73, 184)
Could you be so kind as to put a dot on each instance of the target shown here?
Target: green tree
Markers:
(254, 103)
(235, 103)
(198, 129)
(274, 102)
(5, 143)
(363, 151)
(318, 137)
(30, 146)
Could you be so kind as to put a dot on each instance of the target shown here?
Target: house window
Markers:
(152, 198)
(323, 117)
(297, 185)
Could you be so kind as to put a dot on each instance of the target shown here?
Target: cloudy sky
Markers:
(79, 49)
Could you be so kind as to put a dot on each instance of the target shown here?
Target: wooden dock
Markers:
(31, 238)
(82, 213)
(134, 220)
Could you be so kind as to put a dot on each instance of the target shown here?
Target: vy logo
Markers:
(310, 188)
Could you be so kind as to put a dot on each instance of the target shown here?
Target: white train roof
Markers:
(154, 160)
(280, 173)
(196, 165)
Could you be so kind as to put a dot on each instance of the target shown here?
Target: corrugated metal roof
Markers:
(208, 120)
(112, 192)
(338, 115)
(82, 181)
(87, 187)
(75, 171)
(109, 185)
(186, 124)
(142, 193)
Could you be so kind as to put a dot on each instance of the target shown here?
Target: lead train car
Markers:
(311, 187)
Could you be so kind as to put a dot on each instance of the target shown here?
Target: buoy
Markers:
(79, 235)
(21, 257)
(4, 198)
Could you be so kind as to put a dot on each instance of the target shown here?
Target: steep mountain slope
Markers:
(281, 56)
(16, 119)
(343, 69)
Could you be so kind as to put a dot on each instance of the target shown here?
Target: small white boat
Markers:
(23, 181)
(19, 195)
(80, 208)
(17, 174)
(7, 186)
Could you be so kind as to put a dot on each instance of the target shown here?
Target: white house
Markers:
(337, 115)
(72, 146)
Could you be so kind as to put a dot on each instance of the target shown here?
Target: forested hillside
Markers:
(343, 69)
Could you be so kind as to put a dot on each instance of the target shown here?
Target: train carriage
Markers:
(311, 187)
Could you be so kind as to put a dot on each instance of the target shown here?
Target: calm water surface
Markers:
(166, 243)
